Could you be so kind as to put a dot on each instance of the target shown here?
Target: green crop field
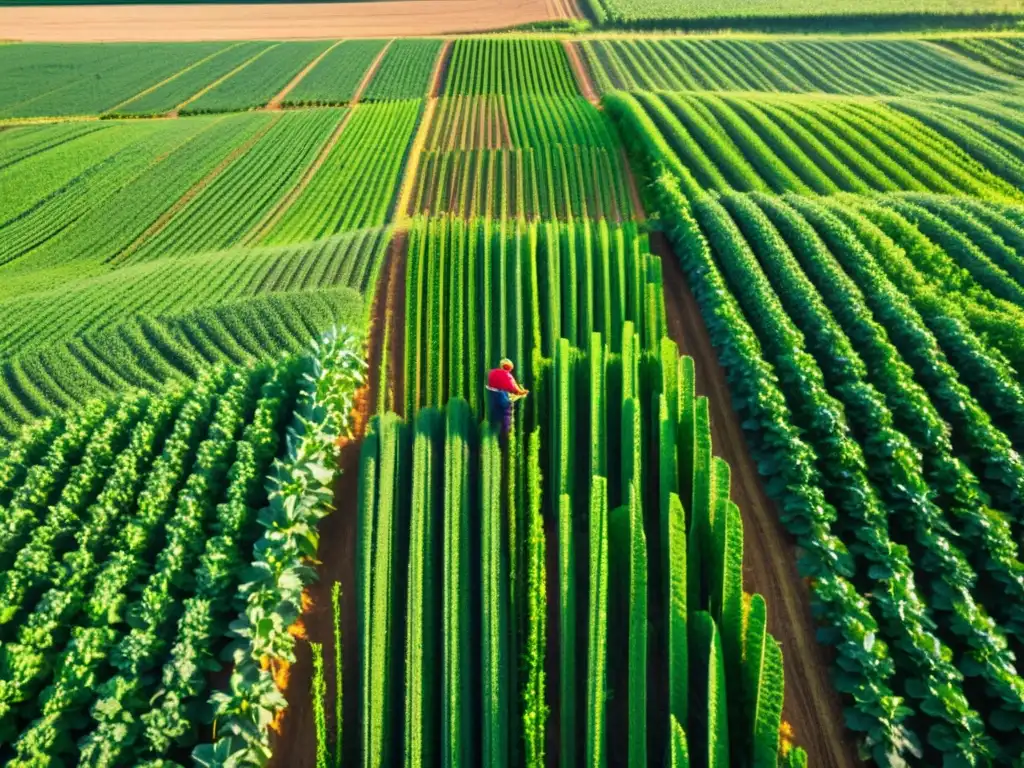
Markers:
(763, 504)
(807, 12)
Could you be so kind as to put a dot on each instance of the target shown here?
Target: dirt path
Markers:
(634, 190)
(412, 167)
(294, 745)
(268, 21)
(275, 103)
(395, 321)
(812, 705)
(440, 74)
(582, 74)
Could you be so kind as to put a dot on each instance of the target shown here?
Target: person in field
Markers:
(502, 392)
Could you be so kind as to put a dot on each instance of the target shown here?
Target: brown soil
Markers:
(583, 80)
(145, 23)
(440, 76)
(275, 103)
(395, 314)
(634, 190)
(812, 705)
(294, 743)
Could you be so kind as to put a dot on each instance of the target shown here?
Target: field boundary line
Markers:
(174, 112)
(370, 72)
(583, 81)
(412, 167)
(268, 223)
(158, 226)
(639, 214)
(275, 102)
(440, 68)
(172, 78)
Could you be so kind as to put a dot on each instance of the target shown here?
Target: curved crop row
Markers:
(164, 288)
(884, 67)
(147, 352)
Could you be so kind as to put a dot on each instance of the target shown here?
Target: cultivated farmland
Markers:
(764, 501)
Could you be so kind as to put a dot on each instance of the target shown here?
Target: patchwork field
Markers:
(764, 501)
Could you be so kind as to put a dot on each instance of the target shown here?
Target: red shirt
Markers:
(503, 381)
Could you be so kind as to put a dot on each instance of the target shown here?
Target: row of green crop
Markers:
(509, 66)
(540, 281)
(628, 558)
(73, 204)
(164, 288)
(260, 80)
(495, 121)
(98, 226)
(215, 219)
(147, 352)
(563, 183)
(270, 598)
(995, 146)
(898, 473)
(42, 176)
(405, 71)
(51, 79)
(23, 141)
(128, 527)
(523, 155)
(188, 84)
(86, 613)
(171, 287)
(1003, 53)
(819, 146)
(359, 178)
(337, 75)
(856, 66)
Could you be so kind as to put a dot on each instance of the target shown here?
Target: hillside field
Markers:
(762, 506)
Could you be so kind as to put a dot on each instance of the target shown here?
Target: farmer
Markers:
(502, 392)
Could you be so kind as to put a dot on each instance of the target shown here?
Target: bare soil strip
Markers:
(437, 79)
(582, 74)
(275, 103)
(395, 318)
(174, 112)
(412, 167)
(634, 191)
(812, 705)
(175, 76)
(157, 226)
(294, 743)
(358, 95)
(298, 21)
